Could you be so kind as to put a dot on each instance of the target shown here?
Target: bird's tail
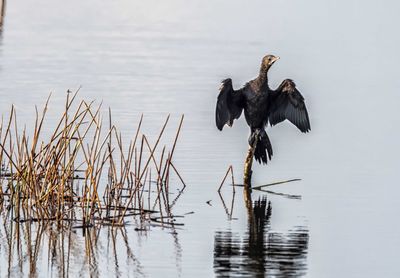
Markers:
(263, 147)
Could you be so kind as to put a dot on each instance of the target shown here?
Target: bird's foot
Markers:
(253, 136)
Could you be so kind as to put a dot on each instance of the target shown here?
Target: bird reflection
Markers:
(261, 252)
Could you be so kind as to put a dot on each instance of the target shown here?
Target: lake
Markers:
(160, 58)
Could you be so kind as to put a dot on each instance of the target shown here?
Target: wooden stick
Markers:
(274, 183)
(248, 163)
(226, 175)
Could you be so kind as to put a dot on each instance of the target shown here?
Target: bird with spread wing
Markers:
(261, 106)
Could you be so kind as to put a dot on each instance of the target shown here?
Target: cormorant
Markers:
(262, 105)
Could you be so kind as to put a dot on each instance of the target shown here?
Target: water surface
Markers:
(168, 57)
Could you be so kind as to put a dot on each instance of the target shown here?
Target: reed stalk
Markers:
(58, 175)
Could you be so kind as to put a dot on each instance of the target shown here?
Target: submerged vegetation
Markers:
(81, 173)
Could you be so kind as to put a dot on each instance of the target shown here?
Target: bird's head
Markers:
(268, 61)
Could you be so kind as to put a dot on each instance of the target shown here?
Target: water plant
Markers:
(81, 172)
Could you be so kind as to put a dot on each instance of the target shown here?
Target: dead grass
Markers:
(83, 171)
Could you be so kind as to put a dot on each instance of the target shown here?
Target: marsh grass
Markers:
(83, 173)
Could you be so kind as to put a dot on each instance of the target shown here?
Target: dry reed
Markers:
(62, 178)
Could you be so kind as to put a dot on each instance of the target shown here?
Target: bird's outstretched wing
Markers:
(229, 104)
(287, 103)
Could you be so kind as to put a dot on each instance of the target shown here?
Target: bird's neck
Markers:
(262, 79)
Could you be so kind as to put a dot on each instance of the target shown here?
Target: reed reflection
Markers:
(2, 13)
(260, 252)
(28, 247)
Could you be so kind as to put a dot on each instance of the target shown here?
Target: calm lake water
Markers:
(160, 57)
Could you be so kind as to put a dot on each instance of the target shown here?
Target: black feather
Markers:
(229, 104)
(286, 102)
(262, 105)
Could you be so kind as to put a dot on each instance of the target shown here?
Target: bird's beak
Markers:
(276, 58)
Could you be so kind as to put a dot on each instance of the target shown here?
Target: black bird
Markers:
(262, 105)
